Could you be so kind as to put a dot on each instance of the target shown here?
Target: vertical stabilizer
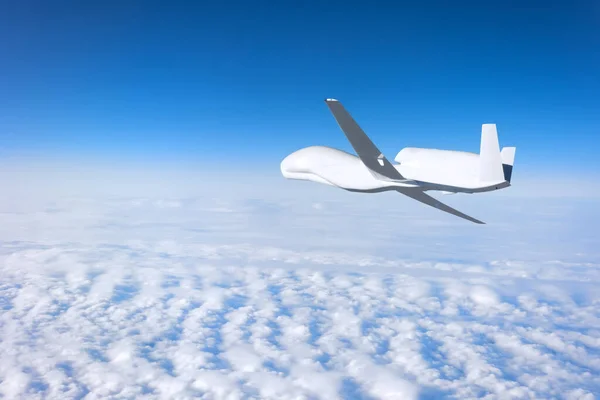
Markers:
(508, 160)
(490, 162)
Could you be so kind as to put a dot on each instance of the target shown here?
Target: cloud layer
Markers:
(237, 297)
(132, 321)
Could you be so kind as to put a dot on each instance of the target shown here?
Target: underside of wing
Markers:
(419, 195)
(369, 154)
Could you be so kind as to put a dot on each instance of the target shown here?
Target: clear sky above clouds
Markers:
(203, 80)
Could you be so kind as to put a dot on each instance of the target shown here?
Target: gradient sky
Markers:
(246, 80)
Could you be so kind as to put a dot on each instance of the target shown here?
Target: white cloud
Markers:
(233, 296)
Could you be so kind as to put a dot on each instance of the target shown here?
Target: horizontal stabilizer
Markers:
(508, 160)
(369, 154)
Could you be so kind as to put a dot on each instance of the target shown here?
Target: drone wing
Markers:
(376, 162)
(368, 153)
(419, 195)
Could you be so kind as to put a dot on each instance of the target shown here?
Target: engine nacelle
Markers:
(433, 165)
(418, 158)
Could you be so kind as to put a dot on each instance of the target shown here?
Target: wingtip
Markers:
(330, 100)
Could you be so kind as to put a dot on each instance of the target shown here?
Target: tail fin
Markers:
(508, 160)
(490, 162)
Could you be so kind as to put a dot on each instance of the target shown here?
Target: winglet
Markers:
(369, 154)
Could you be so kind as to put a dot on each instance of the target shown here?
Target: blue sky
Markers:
(203, 80)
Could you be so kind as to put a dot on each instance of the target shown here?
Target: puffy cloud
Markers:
(228, 297)
(280, 333)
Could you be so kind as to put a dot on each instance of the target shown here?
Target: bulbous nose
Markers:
(304, 164)
(286, 165)
(295, 162)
